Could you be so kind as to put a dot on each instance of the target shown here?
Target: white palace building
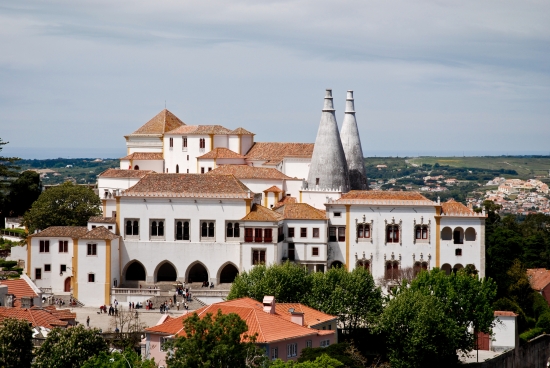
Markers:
(194, 203)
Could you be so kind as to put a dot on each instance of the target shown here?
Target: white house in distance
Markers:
(195, 203)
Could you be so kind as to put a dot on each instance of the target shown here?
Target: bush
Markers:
(540, 305)
(529, 335)
(544, 322)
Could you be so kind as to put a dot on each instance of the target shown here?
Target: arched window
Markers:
(171, 142)
(154, 228)
(392, 234)
(392, 270)
(136, 228)
(421, 232)
(458, 236)
(236, 231)
(470, 234)
(177, 169)
(363, 264)
(208, 230)
(363, 231)
(132, 228)
(157, 228)
(204, 230)
(136, 167)
(446, 233)
(420, 266)
(229, 232)
(179, 230)
(211, 230)
(186, 230)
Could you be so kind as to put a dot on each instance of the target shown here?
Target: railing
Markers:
(135, 291)
(211, 293)
(11, 233)
(46, 290)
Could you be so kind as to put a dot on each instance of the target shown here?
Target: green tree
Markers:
(15, 344)
(64, 205)
(22, 193)
(352, 296)
(287, 282)
(218, 341)
(69, 348)
(7, 171)
(419, 332)
(119, 360)
(323, 361)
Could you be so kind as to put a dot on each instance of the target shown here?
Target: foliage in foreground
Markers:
(323, 361)
(69, 348)
(119, 360)
(214, 341)
(15, 344)
(64, 205)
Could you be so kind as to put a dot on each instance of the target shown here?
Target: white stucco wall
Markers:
(505, 333)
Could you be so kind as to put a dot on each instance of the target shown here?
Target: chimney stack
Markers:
(269, 304)
(296, 317)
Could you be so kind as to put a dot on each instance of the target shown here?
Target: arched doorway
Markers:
(136, 167)
(457, 267)
(336, 264)
(166, 272)
(67, 286)
(447, 268)
(135, 272)
(197, 273)
(228, 274)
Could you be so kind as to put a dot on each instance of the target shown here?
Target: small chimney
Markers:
(269, 304)
(296, 317)
(8, 300)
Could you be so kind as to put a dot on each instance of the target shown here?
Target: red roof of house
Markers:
(19, 288)
(45, 317)
(539, 278)
(268, 327)
(504, 314)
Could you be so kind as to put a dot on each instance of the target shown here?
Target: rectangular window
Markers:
(337, 214)
(392, 234)
(110, 227)
(421, 233)
(44, 246)
(258, 235)
(248, 235)
(280, 234)
(208, 230)
(314, 251)
(332, 234)
(274, 353)
(202, 170)
(303, 232)
(171, 142)
(209, 169)
(291, 252)
(268, 235)
(157, 229)
(63, 268)
(315, 232)
(47, 268)
(291, 232)
(38, 273)
(309, 343)
(325, 343)
(184, 143)
(458, 252)
(341, 234)
(182, 230)
(188, 159)
(63, 246)
(131, 228)
(91, 277)
(92, 249)
(291, 350)
(258, 257)
(363, 231)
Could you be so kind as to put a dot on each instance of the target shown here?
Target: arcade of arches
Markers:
(166, 272)
(197, 273)
(135, 272)
(228, 274)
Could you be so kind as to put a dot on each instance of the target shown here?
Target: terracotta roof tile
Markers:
(241, 131)
(19, 288)
(248, 172)
(102, 220)
(200, 129)
(300, 211)
(100, 233)
(539, 278)
(268, 327)
(118, 173)
(144, 156)
(62, 232)
(504, 314)
(188, 185)
(36, 316)
(273, 189)
(312, 316)
(221, 153)
(163, 122)
(384, 197)
(285, 200)
(275, 151)
(452, 207)
(261, 213)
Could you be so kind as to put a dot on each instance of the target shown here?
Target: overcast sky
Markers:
(430, 77)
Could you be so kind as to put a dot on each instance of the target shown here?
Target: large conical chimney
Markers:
(352, 147)
(328, 169)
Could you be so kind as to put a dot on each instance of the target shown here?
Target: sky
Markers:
(429, 77)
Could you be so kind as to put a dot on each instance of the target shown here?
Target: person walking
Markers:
(88, 322)
(178, 305)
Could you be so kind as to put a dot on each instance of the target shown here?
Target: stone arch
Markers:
(135, 271)
(136, 167)
(457, 267)
(336, 264)
(446, 233)
(458, 235)
(196, 272)
(166, 271)
(447, 268)
(470, 234)
(227, 273)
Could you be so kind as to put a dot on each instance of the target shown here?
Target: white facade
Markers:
(505, 332)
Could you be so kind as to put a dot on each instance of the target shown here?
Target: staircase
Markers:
(69, 301)
(194, 304)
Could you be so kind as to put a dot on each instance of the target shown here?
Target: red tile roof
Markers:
(383, 197)
(268, 327)
(100, 233)
(20, 289)
(275, 151)
(261, 213)
(312, 316)
(118, 173)
(504, 314)
(241, 131)
(144, 156)
(200, 130)
(102, 220)
(300, 211)
(539, 278)
(454, 208)
(249, 172)
(62, 232)
(221, 153)
(285, 200)
(273, 189)
(163, 122)
(37, 316)
(189, 186)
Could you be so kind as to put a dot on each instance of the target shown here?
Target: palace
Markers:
(196, 203)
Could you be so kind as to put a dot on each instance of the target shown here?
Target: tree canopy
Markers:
(69, 348)
(23, 191)
(15, 344)
(323, 361)
(64, 205)
(218, 341)
(119, 360)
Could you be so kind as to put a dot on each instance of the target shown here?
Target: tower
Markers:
(328, 169)
(352, 147)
